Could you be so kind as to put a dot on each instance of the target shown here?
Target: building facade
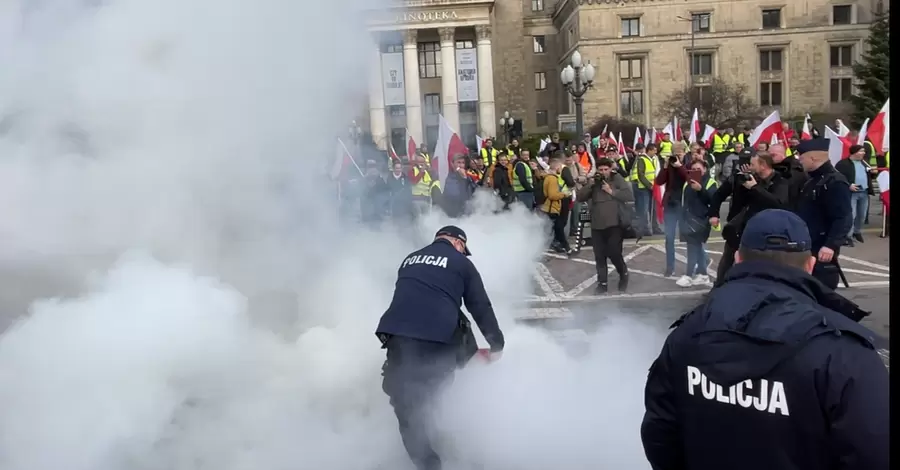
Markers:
(506, 56)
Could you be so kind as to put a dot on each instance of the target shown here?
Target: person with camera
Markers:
(753, 189)
(673, 175)
(608, 194)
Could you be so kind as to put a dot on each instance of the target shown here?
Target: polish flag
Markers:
(863, 130)
(603, 132)
(708, 133)
(763, 132)
(637, 138)
(879, 129)
(620, 146)
(343, 161)
(774, 139)
(410, 145)
(884, 189)
(647, 139)
(654, 136)
(393, 153)
(695, 127)
(448, 146)
(842, 129)
(838, 147)
(667, 130)
(544, 143)
(805, 134)
(676, 129)
(658, 191)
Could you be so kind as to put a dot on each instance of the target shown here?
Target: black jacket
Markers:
(767, 375)
(792, 171)
(767, 194)
(401, 195)
(432, 284)
(824, 204)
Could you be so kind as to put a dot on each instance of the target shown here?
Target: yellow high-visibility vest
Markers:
(489, 159)
(423, 187)
(719, 143)
(516, 184)
(665, 149)
(649, 171)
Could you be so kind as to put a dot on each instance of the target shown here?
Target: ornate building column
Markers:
(449, 103)
(486, 114)
(413, 96)
(377, 123)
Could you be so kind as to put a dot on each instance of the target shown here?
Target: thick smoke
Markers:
(177, 290)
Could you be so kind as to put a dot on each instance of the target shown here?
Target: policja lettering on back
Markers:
(440, 261)
(772, 401)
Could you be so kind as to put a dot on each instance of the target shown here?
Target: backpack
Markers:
(538, 184)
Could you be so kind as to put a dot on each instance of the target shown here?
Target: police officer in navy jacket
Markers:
(424, 331)
(771, 372)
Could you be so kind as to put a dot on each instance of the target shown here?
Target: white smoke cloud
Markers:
(160, 189)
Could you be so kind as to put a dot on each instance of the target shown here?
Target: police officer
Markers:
(427, 336)
(824, 204)
(772, 371)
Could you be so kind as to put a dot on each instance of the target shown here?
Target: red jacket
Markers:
(677, 177)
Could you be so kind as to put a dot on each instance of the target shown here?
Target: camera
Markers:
(673, 159)
(600, 179)
(742, 177)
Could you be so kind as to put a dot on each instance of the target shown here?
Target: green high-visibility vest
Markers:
(516, 184)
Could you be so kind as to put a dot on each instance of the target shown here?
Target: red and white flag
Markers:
(805, 134)
(410, 145)
(448, 146)
(603, 132)
(343, 161)
(654, 136)
(695, 127)
(774, 139)
(544, 143)
(838, 147)
(842, 130)
(647, 139)
(708, 133)
(763, 132)
(884, 189)
(676, 129)
(668, 130)
(392, 153)
(879, 129)
(479, 143)
(861, 138)
(620, 146)
(659, 190)
(637, 138)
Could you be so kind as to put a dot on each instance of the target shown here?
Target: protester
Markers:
(574, 176)
(772, 371)
(643, 172)
(556, 193)
(673, 175)
(400, 195)
(457, 190)
(791, 171)
(523, 180)
(858, 173)
(421, 180)
(694, 225)
(607, 194)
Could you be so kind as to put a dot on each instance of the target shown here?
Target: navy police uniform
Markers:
(824, 204)
(771, 372)
(427, 336)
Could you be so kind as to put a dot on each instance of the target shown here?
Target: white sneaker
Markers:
(683, 281)
(700, 280)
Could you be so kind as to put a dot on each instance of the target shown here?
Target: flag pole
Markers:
(352, 160)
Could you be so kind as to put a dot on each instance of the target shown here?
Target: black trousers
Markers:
(725, 263)
(559, 231)
(413, 373)
(607, 245)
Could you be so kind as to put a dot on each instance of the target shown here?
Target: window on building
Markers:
(701, 64)
(841, 90)
(397, 111)
(429, 59)
(770, 94)
(630, 68)
(468, 107)
(631, 102)
(770, 61)
(541, 118)
(702, 95)
(398, 139)
(700, 22)
(841, 56)
(433, 104)
(540, 80)
(391, 48)
(431, 137)
(771, 19)
(841, 14)
(539, 43)
(465, 44)
(537, 5)
(631, 27)
(571, 36)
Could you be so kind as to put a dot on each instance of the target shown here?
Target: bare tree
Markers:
(719, 104)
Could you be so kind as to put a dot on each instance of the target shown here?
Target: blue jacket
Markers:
(825, 207)
(431, 285)
(768, 375)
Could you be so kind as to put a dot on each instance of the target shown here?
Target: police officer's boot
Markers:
(623, 282)
(601, 289)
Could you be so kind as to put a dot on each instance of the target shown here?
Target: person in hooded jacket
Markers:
(694, 225)
(502, 182)
(791, 171)
(773, 371)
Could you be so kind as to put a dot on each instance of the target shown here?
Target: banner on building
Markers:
(466, 75)
(392, 78)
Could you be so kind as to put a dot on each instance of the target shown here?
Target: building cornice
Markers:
(407, 4)
(775, 35)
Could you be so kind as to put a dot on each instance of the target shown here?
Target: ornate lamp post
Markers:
(578, 78)
(506, 123)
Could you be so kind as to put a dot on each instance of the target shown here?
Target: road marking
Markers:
(864, 262)
(593, 279)
(866, 284)
(594, 263)
(548, 284)
(867, 273)
(680, 257)
(545, 313)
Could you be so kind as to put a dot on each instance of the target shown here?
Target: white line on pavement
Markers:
(593, 279)
(540, 275)
(867, 273)
(680, 257)
(863, 262)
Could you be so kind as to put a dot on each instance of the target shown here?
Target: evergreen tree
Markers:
(873, 71)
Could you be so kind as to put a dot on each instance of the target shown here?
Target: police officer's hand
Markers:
(714, 221)
(751, 181)
(825, 254)
(496, 355)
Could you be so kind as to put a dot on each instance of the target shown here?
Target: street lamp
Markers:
(355, 133)
(578, 78)
(694, 26)
(506, 122)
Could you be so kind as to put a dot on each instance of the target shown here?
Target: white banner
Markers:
(466, 75)
(392, 78)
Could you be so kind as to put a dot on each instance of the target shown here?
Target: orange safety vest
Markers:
(584, 159)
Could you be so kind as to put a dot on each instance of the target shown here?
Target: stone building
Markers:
(507, 56)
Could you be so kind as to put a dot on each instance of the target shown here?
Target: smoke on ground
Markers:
(177, 292)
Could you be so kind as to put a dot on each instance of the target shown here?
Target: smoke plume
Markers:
(177, 292)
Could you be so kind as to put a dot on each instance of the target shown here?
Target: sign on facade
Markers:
(425, 16)
(392, 79)
(466, 75)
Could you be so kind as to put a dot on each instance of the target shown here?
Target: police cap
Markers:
(453, 231)
(813, 145)
(776, 230)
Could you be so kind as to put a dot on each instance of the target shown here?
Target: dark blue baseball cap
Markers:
(776, 230)
(813, 145)
(455, 232)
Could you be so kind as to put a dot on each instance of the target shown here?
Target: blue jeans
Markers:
(642, 201)
(526, 198)
(859, 207)
(696, 258)
(671, 216)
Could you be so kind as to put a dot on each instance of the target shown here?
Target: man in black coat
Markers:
(427, 336)
(791, 171)
(771, 372)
